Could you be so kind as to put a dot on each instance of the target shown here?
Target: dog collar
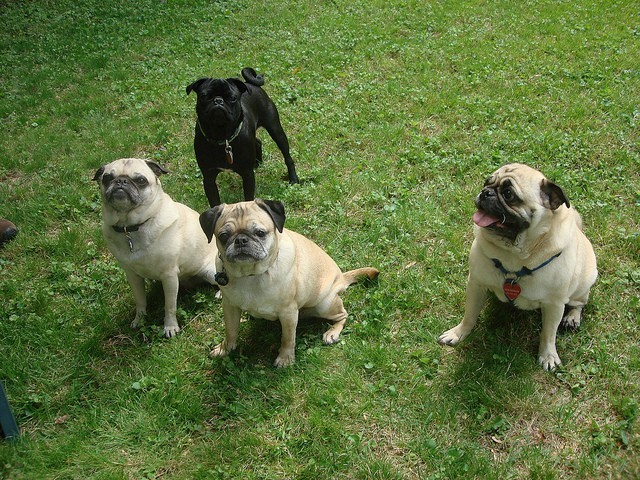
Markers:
(221, 277)
(511, 288)
(127, 231)
(226, 142)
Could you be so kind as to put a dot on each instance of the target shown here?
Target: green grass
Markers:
(396, 112)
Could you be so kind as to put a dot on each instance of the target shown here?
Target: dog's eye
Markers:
(508, 194)
(223, 237)
(107, 179)
(261, 233)
(141, 181)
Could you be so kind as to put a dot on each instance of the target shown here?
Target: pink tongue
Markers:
(483, 219)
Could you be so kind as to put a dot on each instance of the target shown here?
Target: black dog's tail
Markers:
(252, 77)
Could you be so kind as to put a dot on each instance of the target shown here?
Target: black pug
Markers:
(228, 114)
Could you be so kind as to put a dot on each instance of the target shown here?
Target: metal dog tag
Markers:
(221, 278)
(229, 151)
(129, 240)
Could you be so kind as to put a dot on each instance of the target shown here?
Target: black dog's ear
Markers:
(552, 195)
(196, 85)
(157, 169)
(98, 174)
(275, 209)
(209, 218)
(238, 83)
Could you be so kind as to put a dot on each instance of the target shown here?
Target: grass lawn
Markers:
(396, 112)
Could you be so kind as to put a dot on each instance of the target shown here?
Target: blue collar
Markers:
(510, 287)
(524, 271)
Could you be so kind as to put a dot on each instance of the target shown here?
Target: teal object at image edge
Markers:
(8, 425)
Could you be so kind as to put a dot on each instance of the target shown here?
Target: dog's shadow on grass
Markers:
(121, 335)
(245, 385)
(497, 364)
(498, 359)
(495, 369)
(259, 339)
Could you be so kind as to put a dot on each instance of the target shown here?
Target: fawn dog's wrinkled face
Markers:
(514, 199)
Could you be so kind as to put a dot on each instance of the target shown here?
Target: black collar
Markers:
(127, 230)
(225, 141)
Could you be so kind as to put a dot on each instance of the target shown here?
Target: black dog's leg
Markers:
(258, 151)
(248, 184)
(277, 133)
(211, 187)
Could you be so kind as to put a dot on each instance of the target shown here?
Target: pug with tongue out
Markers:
(530, 251)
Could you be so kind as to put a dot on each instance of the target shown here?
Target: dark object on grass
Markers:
(8, 231)
(8, 425)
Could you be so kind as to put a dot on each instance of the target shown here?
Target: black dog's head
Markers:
(218, 107)
(515, 198)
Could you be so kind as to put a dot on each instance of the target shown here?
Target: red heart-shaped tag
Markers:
(511, 290)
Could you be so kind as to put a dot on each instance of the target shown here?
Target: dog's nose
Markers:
(218, 101)
(241, 240)
(121, 182)
(485, 197)
(486, 193)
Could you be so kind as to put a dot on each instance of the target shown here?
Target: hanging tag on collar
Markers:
(511, 289)
(129, 240)
(229, 152)
(221, 278)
